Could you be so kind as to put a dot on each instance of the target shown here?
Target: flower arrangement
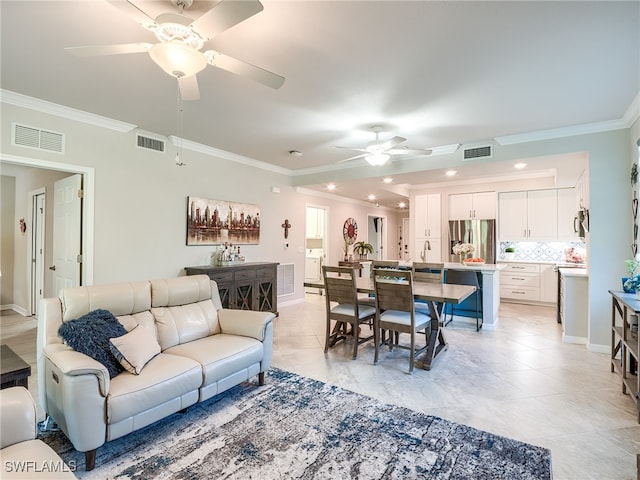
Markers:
(632, 284)
(463, 249)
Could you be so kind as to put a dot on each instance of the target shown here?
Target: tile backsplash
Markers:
(539, 251)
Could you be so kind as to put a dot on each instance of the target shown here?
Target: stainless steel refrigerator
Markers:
(480, 233)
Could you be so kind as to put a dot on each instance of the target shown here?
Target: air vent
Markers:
(285, 279)
(31, 137)
(485, 151)
(150, 143)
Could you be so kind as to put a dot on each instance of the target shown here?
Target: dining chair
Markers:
(427, 272)
(468, 277)
(344, 308)
(386, 264)
(396, 313)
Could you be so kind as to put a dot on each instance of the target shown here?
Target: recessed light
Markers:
(371, 197)
(295, 153)
(520, 165)
(402, 205)
(331, 187)
(450, 173)
(387, 179)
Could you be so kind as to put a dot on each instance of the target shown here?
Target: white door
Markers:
(67, 235)
(38, 201)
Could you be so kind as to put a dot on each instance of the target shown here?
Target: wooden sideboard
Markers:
(244, 286)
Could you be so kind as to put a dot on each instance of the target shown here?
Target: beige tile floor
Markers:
(520, 381)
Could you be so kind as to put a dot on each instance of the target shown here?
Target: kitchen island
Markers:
(489, 279)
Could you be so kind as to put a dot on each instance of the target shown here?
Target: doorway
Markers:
(377, 236)
(315, 241)
(25, 263)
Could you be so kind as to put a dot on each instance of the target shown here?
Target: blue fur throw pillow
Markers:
(90, 335)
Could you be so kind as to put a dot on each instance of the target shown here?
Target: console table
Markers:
(625, 344)
(15, 371)
(244, 286)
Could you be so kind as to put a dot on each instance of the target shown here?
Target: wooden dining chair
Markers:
(344, 308)
(386, 264)
(396, 313)
(427, 272)
(468, 277)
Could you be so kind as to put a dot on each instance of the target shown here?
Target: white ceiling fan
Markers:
(377, 151)
(181, 40)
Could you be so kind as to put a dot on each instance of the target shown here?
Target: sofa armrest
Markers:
(72, 363)
(247, 323)
(18, 418)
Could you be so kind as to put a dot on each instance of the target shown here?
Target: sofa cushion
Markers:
(221, 355)
(135, 349)
(185, 323)
(90, 335)
(118, 298)
(164, 378)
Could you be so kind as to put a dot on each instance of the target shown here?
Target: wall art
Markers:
(216, 222)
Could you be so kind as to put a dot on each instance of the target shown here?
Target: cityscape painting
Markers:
(216, 222)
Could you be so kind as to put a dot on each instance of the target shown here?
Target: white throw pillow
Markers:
(135, 349)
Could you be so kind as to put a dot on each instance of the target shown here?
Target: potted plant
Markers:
(362, 249)
(509, 252)
(631, 284)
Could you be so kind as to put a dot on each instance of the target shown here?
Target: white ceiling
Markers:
(437, 73)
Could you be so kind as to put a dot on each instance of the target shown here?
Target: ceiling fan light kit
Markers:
(177, 59)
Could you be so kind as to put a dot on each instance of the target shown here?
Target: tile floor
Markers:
(520, 381)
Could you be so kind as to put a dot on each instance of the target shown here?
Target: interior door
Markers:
(67, 233)
(38, 202)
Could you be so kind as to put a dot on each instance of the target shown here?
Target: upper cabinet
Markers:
(528, 216)
(427, 219)
(472, 206)
(315, 222)
(568, 206)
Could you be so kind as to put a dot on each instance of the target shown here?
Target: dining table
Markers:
(435, 295)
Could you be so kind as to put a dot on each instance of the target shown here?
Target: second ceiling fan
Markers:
(377, 152)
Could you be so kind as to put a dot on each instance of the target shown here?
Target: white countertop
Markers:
(573, 272)
(487, 267)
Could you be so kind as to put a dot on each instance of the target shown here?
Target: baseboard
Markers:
(16, 308)
(290, 302)
(596, 347)
(570, 339)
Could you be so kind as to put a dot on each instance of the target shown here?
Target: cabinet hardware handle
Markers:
(518, 278)
(519, 293)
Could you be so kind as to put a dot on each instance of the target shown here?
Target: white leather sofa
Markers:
(205, 350)
(21, 455)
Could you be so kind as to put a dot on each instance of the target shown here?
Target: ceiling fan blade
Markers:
(353, 158)
(100, 50)
(408, 151)
(134, 12)
(351, 148)
(189, 88)
(225, 15)
(244, 69)
(387, 144)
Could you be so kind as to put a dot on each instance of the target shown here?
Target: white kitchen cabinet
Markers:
(427, 250)
(427, 220)
(520, 282)
(568, 205)
(528, 215)
(472, 206)
(315, 222)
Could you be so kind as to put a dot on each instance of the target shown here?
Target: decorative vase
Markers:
(625, 289)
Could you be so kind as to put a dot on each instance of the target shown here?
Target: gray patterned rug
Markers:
(295, 427)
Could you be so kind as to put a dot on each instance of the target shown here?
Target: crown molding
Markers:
(234, 157)
(19, 100)
(630, 116)
(333, 196)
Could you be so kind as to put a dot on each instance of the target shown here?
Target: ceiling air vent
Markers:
(485, 151)
(36, 138)
(150, 143)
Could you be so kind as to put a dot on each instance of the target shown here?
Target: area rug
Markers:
(299, 428)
